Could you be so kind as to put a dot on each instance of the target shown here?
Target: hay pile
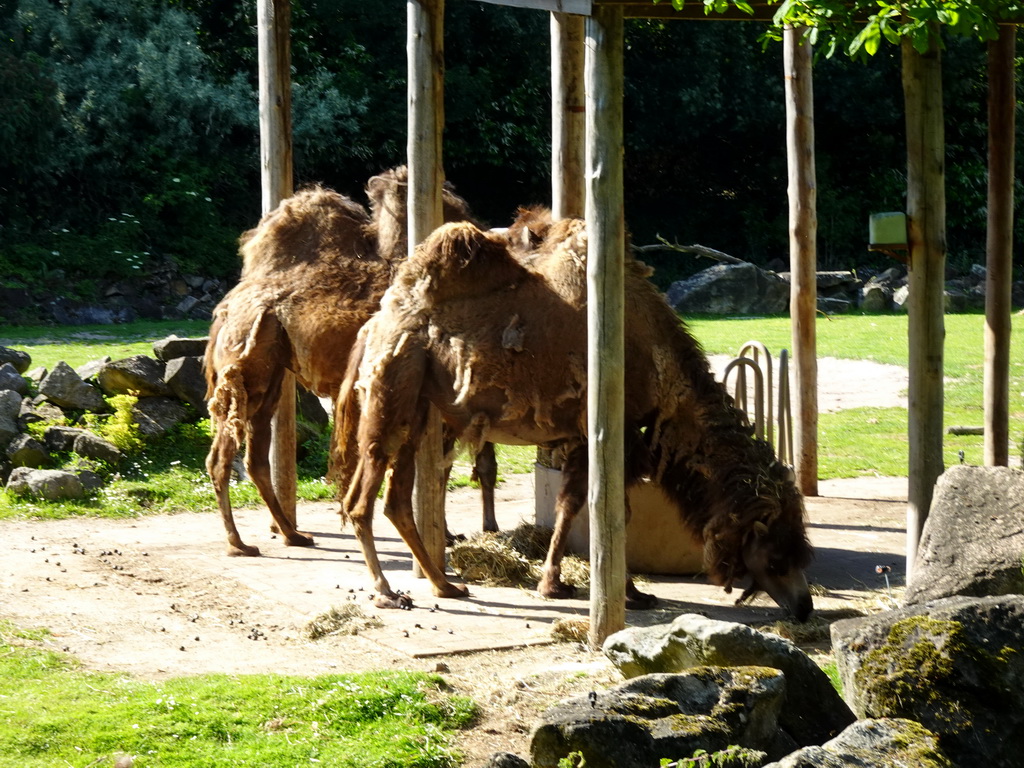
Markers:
(347, 619)
(513, 559)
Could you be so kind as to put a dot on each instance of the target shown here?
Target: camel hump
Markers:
(311, 222)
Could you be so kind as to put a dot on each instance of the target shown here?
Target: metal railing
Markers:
(758, 400)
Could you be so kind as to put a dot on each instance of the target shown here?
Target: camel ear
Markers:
(760, 529)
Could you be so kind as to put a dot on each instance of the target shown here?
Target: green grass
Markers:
(52, 713)
(873, 441)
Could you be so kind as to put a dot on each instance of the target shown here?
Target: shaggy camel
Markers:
(498, 344)
(314, 270)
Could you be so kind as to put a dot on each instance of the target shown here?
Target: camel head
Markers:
(758, 535)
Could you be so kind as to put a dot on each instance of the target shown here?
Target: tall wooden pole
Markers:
(926, 218)
(605, 321)
(426, 177)
(1002, 103)
(803, 254)
(273, 24)
(568, 116)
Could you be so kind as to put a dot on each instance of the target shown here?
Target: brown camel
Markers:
(498, 344)
(314, 270)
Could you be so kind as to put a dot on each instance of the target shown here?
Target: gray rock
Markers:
(20, 360)
(876, 297)
(308, 408)
(813, 713)
(185, 378)
(92, 446)
(11, 379)
(955, 665)
(91, 481)
(90, 370)
(137, 375)
(156, 415)
(65, 388)
(885, 743)
(172, 347)
(48, 484)
(831, 305)
(730, 289)
(973, 539)
(8, 430)
(505, 760)
(10, 404)
(900, 297)
(36, 374)
(61, 439)
(25, 451)
(657, 716)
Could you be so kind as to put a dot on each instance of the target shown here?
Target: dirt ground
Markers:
(156, 596)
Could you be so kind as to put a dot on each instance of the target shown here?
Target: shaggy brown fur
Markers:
(314, 271)
(498, 344)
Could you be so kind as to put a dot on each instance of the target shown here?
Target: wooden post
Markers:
(999, 263)
(605, 322)
(273, 23)
(926, 220)
(568, 116)
(426, 177)
(803, 254)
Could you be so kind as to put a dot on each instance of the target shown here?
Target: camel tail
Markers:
(347, 413)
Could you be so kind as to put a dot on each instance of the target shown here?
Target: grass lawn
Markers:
(52, 713)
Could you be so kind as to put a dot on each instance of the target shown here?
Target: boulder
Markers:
(90, 370)
(660, 716)
(954, 665)
(185, 378)
(505, 760)
(25, 451)
(308, 408)
(172, 347)
(37, 374)
(730, 289)
(876, 297)
(10, 408)
(156, 415)
(973, 538)
(813, 712)
(92, 446)
(48, 484)
(65, 388)
(884, 743)
(61, 439)
(10, 379)
(137, 375)
(20, 360)
(832, 305)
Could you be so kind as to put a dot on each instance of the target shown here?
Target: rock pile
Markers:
(745, 289)
(935, 684)
(63, 458)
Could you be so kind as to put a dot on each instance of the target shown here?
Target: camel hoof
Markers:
(451, 539)
(299, 540)
(452, 590)
(243, 550)
(398, 601)
(556, 590)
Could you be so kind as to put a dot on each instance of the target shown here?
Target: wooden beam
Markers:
(999, 261)
(926, 220)
(803, 254)
(580, 7)
(606, 250)
(568, 116)
(273, 25)
(425, 20)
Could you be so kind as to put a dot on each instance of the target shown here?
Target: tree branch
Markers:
(700, 250)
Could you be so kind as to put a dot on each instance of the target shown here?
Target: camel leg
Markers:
(258, 466)
(485, 472)
(218, 465)
(398, 508)
(571, 497)
(366, 480)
